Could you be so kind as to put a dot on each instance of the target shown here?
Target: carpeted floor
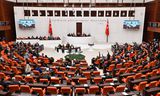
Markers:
(88, 51)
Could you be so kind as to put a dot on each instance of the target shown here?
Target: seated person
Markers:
(36, 37)
(71, 46)
(40, 38)
(67, 45)
(73, 35)
(59, 46)
(69, 34)
(38, 69)
(32, 37)
(79, 34)
(84, 35)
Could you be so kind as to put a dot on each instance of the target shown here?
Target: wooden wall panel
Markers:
(7, 14)
(152, 14)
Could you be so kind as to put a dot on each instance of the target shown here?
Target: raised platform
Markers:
(78, 40)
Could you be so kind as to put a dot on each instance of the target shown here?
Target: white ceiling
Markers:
(81, 1)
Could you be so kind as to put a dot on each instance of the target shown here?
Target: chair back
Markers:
(97, 80)
(107, 89)
(25, 88)
(83, 80)
(120, 88)
(111, 67)
(55, 80)
(18, 78)
(38, 90)
(13, 88)
(142, 85)
(66, 90)
(52, 90)
(80, 91)
(93, 89)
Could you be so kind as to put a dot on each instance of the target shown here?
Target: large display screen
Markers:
(131, 24)
(26, 23)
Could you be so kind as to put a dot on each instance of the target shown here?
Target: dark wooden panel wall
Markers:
(152, 14)
(7, 14)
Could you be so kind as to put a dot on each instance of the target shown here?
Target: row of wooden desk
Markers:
(151, 91)
(58, 86)
(131, 83)
(115, 94)
(41, 85)
(121, 76)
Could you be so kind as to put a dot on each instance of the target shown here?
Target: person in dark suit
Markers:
(67, 45)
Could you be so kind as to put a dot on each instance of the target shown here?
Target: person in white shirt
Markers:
(27, 68)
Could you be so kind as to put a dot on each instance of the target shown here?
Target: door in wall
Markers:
(79, 28)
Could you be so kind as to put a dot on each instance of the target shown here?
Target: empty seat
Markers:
(93, 90)
(18, 78)
(55, 80)
(66, 90)
(29, 79)
(119, 88)
(107, 89)
(127, 65)
(42, 80)
(71, 74)
(96, 73)
(140, 87)
(97, 80)
(15, 70)
(108, 80)
(129, 70)
(7, 68)
(3, 76)
(152, 84)
(110, 68)
(87, 75)
(82, 80)
(40, 91)
(36, 72)
(52, 90)
(138, 68)
(73, 69)
(154, 72)
(125, 80)
(118, 66)
(121, 71)
(80, 91)
(25, 88)
(138, 76)
(13, 88)
(60, 73)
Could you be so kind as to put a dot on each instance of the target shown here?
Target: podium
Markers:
(78, 40)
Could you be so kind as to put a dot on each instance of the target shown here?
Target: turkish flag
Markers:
(107, 28)
(50, 28)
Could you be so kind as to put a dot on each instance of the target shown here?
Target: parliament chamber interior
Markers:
(79, 48)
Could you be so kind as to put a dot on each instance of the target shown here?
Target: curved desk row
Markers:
(46, 43)
(78, 40)
(68, 50)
